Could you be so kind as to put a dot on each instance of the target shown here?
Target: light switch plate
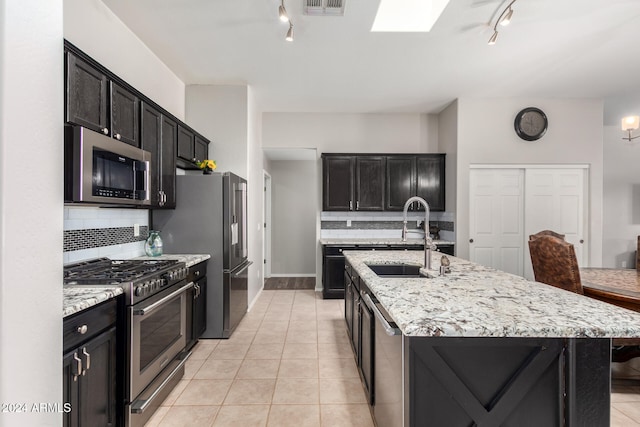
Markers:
(136, 230)
(348, 223)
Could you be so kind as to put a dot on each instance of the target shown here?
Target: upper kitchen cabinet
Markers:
(86, 96)
(158, 134)
(192, 148)
(338, 182)
(125, 113)
(370, 183)
(415, 175)
(378, 182)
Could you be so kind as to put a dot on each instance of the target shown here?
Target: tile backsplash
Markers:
(336, 225)
(91, 232)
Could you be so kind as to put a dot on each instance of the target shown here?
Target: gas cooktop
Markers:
(104, 271)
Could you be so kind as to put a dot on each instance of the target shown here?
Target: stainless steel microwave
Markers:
(102, 170)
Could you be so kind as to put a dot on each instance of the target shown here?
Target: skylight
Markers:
(407, 15)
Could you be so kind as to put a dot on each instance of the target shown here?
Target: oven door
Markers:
(158, 334)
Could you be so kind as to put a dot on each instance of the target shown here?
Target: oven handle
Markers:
(151, 308)
(140, 406)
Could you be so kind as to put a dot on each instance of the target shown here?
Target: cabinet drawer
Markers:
(337, 250)
(196, 272)
(95, 319)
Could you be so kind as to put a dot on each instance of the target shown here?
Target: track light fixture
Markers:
(289, 36)
(503, 19)
(282, 12)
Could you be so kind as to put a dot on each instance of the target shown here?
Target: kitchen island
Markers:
(479, 346)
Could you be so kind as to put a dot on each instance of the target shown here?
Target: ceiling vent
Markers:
(324, 7)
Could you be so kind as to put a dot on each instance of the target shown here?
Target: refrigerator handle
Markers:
(243, 189)
(237, 273)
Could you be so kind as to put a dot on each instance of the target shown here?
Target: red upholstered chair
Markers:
(546, 233)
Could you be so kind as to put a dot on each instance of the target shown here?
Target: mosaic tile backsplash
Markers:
(91, 232)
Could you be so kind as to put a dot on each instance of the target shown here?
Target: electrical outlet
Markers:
(136, 230)
(348, 223)
(624, 264)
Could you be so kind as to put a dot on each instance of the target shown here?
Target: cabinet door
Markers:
(430, 181)
(151, 131)
(86, 95)
(400, 181)
(125, 113)
(201, 148)
(97, 386)
(446, 249)
(168, 162)
(348, 303)
(200, 309)
(333, 283)
(366, 349)
(338, 185)
(70, 388)
(370, 172)
(185, 144)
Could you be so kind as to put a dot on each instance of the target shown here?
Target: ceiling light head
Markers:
(493, 38)
(506, 19)
(289, 36)
(282, 13)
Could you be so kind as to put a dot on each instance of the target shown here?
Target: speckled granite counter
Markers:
(379, 241)
(77, 298)
(189, 259)
(476, 301)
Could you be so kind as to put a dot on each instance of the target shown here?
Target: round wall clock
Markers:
(531, 124)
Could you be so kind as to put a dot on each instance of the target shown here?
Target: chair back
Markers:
(546, 233)
(554, 263)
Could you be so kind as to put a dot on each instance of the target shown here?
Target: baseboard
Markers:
(293, 275)
(256, 298)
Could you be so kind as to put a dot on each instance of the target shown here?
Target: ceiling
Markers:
(556, 49)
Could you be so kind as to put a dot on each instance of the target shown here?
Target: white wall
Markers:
(294, 201)
(486, 136)
(220, 114)
(93, 28)
(355, 133)
(255, 182)
(621, 199)
(31, 201)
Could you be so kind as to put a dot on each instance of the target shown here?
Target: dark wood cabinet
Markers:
(353, 182)
(400, 181)
(158, 135)
(86, 95)
(197, 309)
(430, 181)
(369, 179)
(186, 140)
(338, 183)
(367, 334)
(90, 368)
(200, 148)
(415, 175)
(125, 115)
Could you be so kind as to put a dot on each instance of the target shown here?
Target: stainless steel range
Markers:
(156, 312)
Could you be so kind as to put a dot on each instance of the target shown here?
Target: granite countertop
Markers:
(379, 241)
(477, 301)
(189, 259)
(77, 297)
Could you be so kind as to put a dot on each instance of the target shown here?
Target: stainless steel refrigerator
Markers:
(211, 218)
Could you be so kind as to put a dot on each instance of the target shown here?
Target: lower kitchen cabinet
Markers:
(197, 310)
(91, 379)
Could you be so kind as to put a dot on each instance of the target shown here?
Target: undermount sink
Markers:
(396, 270)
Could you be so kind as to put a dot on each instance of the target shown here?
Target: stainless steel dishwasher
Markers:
(388, 375)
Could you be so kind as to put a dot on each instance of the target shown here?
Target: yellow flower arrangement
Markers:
(207, 165)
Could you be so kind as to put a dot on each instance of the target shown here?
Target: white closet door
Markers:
(497, 218)
(555, 200)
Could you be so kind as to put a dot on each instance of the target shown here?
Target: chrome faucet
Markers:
(428, 243)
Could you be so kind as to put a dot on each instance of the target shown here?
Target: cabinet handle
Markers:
(358, 205)
(82, 329)
(105, 131)
(164, 195)
(350, 205)
(118, 136)
(78, 366)
(88, 360)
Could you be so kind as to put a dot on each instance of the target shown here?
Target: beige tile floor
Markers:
(289, 363)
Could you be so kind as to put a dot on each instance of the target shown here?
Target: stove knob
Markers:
(138, 291)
